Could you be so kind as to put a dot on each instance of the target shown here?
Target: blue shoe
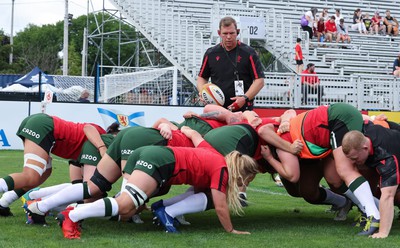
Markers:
(371, 226)
(157, 205)
(166, 220)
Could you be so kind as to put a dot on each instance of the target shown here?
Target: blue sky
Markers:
(41, 12)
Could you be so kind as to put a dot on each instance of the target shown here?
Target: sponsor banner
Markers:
(12, 114)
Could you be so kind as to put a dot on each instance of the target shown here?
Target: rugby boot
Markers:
(165, 220)
(371, 226)
(69, 228)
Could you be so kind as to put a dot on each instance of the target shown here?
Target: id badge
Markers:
(239, 88)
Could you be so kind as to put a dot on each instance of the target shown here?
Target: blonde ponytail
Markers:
(240, 168)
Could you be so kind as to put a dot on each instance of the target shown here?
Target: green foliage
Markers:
(40, 45)
(273, 218)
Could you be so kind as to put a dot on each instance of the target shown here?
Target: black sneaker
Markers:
(5, 211)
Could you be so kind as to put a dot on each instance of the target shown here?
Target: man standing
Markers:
(233, 66)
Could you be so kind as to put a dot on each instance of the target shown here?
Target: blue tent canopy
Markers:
(32, 78)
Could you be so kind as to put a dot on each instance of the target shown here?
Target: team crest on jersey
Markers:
(111, 116)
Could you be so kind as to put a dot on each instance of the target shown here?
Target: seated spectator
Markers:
(377, 25)
(358, 24)
(324, 15)
(338, 16)
(330, 29)
(396, 66)
(320, 30)
(367, 22)
(392, 26)
(84, 96)
(343, 34)
(311, 84)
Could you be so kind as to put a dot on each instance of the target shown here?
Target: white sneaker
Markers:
(181, 220)
(136, 219)
(278, 181)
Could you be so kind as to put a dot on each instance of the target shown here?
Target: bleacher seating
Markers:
(183, 30)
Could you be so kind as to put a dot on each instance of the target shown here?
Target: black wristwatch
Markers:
(246, 98)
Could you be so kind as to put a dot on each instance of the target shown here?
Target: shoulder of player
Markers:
(214, 49)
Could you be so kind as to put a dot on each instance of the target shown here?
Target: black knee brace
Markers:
(101, 182)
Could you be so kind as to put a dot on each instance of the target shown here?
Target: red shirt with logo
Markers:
(202, 167)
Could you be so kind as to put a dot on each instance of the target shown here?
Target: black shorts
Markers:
(389, 172)
(299, 62)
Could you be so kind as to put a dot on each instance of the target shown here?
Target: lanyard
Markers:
(235, 72)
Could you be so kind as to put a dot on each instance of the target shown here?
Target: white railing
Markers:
(363, 91)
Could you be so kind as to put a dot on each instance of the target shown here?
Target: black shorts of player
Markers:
(299, 62)
(388, 171)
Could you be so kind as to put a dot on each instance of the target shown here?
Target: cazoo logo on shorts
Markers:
(89, 157)
(31, 133)
(144, 164)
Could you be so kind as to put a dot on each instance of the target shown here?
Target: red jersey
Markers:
(299, 54)
(214, 123)
(202, 167)
(69, 138)
(376, 20)
(261, 142)
(320, 27)
(309, 79)
(331, 27)
(179, 139)
(315, 127)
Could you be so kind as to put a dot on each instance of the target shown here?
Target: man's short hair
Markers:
(227, 21)
(298, 40)
(352, 140)
(309, 65)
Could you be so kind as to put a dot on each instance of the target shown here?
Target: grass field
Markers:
(274, 219)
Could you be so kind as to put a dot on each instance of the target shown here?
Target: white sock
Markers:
(94, 209)
(123, 184)
(349, 194)
(191, 204)
(334, 199)
(178, 198)
(3, 185)
(47, 191)
(70, 194)
(8, 197)
(376, 200)
(364, 195)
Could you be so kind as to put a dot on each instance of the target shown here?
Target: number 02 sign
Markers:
(253, 26)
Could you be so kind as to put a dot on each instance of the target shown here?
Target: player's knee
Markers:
(101, 182)
(36, 163)
(137, 195)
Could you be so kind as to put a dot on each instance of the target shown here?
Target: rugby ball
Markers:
(212, 94)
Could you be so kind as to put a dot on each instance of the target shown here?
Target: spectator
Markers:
(343, 34)
(338, 16)
(234, 66)
(299, 56)
(358, 24)
(367, 22)
(396, 66)
(310, 17)
(392, 26)
(377, 24)
(311, 84)
(324, 15)
(84, 96)
(320, 30)
(330, 29)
